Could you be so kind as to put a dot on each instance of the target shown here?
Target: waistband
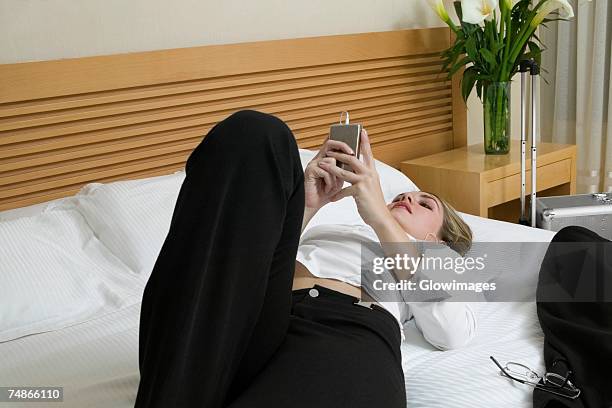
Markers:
(382, 320)
(344, 298)
(329, 292)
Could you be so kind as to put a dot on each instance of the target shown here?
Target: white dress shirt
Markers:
(333, 251)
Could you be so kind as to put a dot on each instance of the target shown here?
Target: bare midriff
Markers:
(304, 279)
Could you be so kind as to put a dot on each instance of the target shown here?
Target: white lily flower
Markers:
(565, 11)
(477, 11)
(438, 7)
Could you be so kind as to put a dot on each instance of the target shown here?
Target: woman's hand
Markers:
(320, 185)
(365, 181)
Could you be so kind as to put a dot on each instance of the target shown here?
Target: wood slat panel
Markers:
(208, 93)
(26, 81)
(321, 115)
(66, 123)
(293, 99)
(304, 128)
(120, 95)
(337, 104)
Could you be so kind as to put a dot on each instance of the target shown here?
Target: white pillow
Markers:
(55, 273)
(131, 217)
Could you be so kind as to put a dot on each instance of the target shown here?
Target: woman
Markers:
(220, 325)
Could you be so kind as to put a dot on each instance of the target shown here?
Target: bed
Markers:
(91, 164)
(95, 357)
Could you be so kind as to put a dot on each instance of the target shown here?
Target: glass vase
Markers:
(496, 115)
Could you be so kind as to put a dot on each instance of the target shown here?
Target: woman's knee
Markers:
(245, 133)
(253, 127)
(252, 117)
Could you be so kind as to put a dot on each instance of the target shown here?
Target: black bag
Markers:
(574, 306)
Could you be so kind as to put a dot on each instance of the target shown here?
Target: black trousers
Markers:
(219, 324)
(575, 312)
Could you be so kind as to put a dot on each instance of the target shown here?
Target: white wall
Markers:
(32, 30)
(50, 29)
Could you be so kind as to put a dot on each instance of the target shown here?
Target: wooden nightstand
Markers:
(490, 185)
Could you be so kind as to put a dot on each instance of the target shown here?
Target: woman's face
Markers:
(420, 214)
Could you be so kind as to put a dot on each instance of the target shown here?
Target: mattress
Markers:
(96, 361)
(466, 377)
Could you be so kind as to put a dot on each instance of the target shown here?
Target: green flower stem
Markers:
(524, 34)
(501, 22)
(518, 44)
(504, 73)
(500, 102)
(504, 12)
(517, 49)
(452, 25)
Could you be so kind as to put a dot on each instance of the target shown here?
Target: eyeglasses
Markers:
(549, 382)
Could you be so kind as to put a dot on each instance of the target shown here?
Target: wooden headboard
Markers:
(66, 123)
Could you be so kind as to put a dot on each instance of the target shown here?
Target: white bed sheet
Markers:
(97, 361)
(466, 377)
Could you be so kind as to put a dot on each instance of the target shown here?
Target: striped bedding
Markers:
(96, 360)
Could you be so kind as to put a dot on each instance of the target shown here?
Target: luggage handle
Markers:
(533, 68)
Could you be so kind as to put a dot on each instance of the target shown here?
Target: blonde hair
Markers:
(454, 231)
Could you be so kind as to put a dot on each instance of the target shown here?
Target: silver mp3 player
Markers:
(349, 134)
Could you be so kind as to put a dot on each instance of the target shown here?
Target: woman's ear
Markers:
(434, 236)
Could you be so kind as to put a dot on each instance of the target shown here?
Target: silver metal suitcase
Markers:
(592, 211)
